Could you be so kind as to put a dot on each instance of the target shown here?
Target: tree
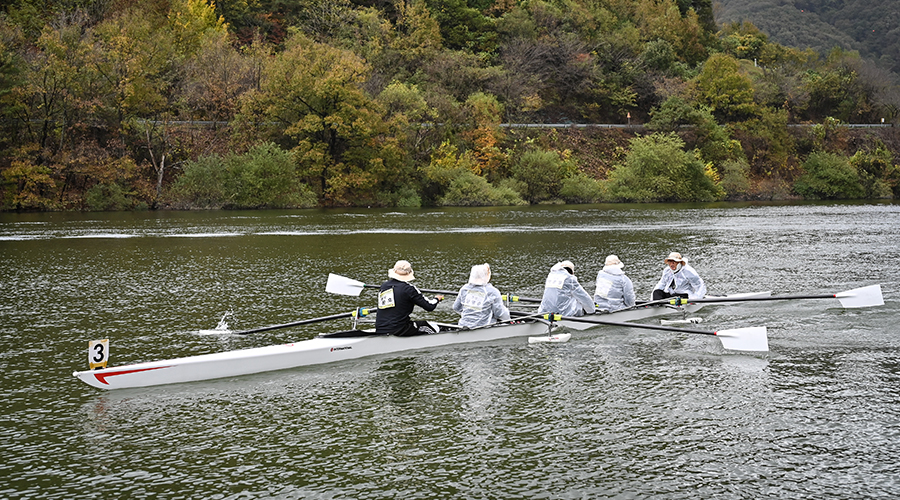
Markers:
(720, 86)
(311, 95)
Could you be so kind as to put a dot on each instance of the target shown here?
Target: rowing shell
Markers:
(645, 312)
(328, 348)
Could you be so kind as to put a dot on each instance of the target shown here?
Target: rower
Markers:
(679, 279)
(563, 294)
(615, 291)
(479, 303)
(396, 300)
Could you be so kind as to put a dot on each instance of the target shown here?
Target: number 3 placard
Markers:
(98, 353)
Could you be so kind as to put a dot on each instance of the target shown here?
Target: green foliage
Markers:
(190, 20)
(727, 92)
(543, 173)
(879, 177)
(581, 188)
(463, 26)
(405, 197)
(743, 40)
(657, 169)
(711, 139)
(202, 183)
(735, 179)
(767, 143)
(829, 176)
(470, 190)
(110, 197)
(264, 177)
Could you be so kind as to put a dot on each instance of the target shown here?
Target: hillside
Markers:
(871, 27)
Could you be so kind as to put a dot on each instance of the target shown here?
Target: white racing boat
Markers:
(326, 348)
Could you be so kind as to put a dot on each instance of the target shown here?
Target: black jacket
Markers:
(396, 300)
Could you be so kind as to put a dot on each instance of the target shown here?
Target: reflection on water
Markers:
(616, 412)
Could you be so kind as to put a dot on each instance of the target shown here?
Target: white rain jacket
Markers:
(614, 290)
(564, 295)
(480, 305)
(684, 281)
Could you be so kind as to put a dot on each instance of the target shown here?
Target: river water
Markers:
(614, 413)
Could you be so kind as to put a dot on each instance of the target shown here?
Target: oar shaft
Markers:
(298, 323)
(751, 299)
(584, 319)
(423, 290)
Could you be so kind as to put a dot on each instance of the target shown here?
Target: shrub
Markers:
(877, 172)
(580, 188)
(657, 169)
(202, 183)
(264, 177)
(468, 189)
(828, 177)
(542, 172)
(735, 179)
(108, 197)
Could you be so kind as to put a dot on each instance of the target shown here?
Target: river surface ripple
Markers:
(614, 413)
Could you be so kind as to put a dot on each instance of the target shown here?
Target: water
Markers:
(614, 413)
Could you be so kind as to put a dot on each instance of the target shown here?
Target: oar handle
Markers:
(517, 298)
(358, 312)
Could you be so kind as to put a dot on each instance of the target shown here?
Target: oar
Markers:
(738, 339)
(866, 296)
(358, 312)
(348, 286)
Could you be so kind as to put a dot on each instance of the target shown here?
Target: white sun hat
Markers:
(613, 261)
(402, 271)
(675, 256)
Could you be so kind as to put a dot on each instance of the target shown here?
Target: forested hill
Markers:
(870, 26)
(145, 104)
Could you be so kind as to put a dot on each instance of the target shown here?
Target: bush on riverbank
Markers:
(264, 177)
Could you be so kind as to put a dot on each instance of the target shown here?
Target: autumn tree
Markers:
(311, 95)
(722, 87)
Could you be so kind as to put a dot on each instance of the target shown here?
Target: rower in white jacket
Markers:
(614, 290)
(563, 294)
(679, 279)
(479, 303)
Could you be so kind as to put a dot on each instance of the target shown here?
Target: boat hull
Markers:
(319, 350)
(645, 312)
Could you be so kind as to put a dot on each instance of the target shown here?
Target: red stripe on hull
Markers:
(101, 377)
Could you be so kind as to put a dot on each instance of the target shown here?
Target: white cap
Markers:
(480, 274)
(613, 261)
(402, 271)
(675, 256)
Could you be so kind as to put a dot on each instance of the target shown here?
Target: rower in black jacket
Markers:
(396, 300)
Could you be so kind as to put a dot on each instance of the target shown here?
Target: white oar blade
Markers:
(556, 337)
(867, 296)
(745, 339)
(343, 286)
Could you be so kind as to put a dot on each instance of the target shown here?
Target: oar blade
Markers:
(867, 296)
(552, 338)
(754, 338)
(343, 286)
